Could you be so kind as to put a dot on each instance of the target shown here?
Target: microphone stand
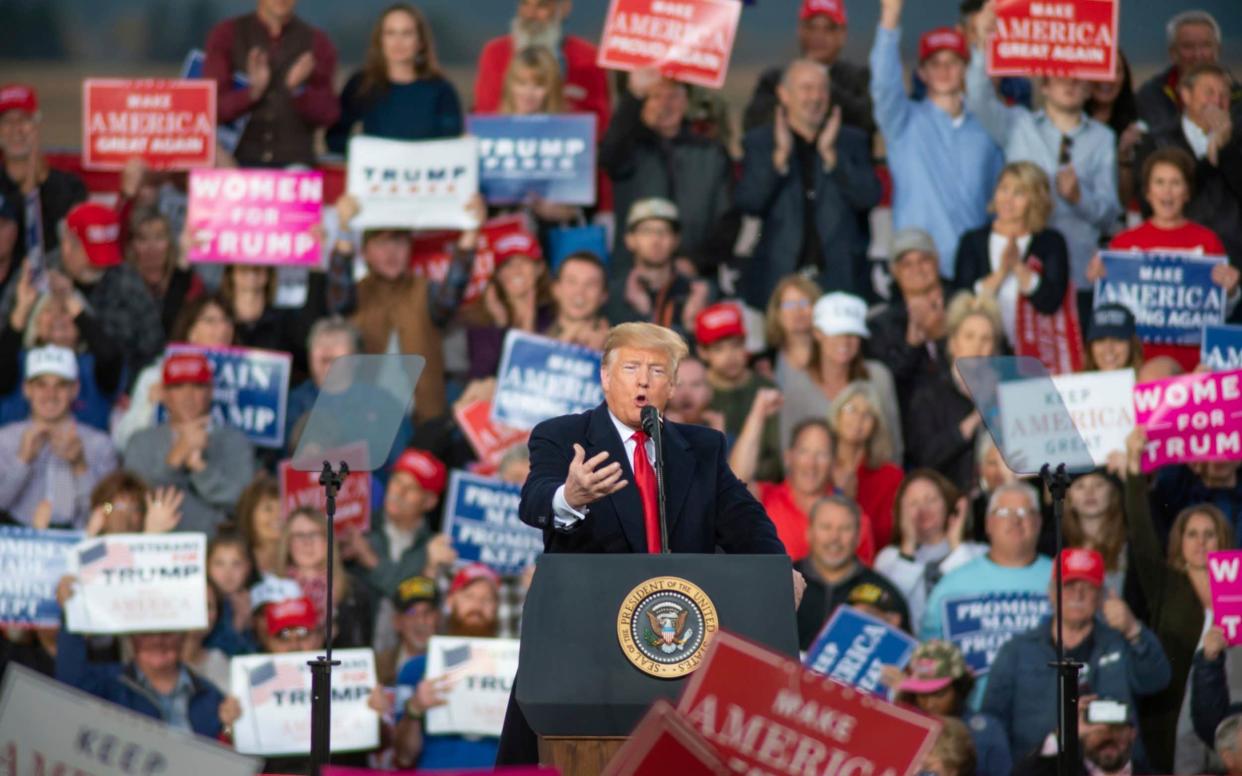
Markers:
(1068, 761)
(321, 667)
(651, 425)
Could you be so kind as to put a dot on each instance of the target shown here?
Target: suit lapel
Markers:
(625, 503)
(678, 473)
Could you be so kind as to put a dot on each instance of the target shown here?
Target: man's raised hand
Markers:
(588, 482)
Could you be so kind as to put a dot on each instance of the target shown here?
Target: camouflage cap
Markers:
(935, 665)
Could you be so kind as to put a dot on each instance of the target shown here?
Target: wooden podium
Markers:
(576, 687)
(578, 755)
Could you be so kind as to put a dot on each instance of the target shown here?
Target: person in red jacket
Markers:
(538, 23)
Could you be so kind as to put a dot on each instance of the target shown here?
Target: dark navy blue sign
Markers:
(1222, 348)
(481, 517)
(227, 135)
(1171, 295)
(980, 625)
(541, 378)
(250, 391)
(31, 564)
(853, 647)
(548, 156)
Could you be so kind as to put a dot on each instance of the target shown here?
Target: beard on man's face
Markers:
(474, 626)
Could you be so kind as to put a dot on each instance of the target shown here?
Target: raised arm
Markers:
(888, 89)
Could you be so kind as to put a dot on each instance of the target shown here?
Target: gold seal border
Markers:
(641, 593)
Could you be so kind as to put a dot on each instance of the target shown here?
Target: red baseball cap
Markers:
(515, 244)
(471, 574)
(943, 39)
(718, 322)
(186, 368)
(429, 471)
(18, 97)
(291, 613)
(1081, 563)
(99, 230)
(833, 9)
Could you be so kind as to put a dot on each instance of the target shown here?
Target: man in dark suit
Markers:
(592, 487)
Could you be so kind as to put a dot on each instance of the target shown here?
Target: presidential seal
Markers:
(665, 625)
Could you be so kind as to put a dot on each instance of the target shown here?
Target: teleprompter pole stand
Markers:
(1068, 760)
(321, 667)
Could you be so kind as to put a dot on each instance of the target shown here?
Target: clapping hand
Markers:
(826, 143)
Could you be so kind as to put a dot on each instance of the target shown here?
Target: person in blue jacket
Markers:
(154, 683)
(1121, 658)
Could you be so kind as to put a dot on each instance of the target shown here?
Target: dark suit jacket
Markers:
(707, 506)
(974, 263)
(842, 199)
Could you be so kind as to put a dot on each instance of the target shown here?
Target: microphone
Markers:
(651, 427)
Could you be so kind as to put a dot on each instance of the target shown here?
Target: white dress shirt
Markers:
(564, 515)
(1197, 138)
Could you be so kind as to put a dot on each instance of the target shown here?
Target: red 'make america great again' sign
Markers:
(686, 40)
(169, 124)
(1069, 38)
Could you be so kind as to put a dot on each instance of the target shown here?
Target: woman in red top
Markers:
(863, 467)
(808, 476)
(1166, 181)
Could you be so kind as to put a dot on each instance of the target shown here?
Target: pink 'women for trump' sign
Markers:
(255, 217)
(1195, 417)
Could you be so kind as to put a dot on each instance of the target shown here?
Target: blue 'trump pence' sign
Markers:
(250, 391)
(1171, 295)
(541, 378)
(980, 625)
(481, 518)
(854, 647)
(31, 564)
(549, 156)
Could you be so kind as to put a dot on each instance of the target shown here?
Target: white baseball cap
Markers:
(52, 360)
(841, 313)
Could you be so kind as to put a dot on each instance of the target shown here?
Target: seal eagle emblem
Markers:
(664, 625)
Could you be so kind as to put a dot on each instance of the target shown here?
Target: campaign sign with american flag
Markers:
(133, 583)
(481, 672)
(275, 691)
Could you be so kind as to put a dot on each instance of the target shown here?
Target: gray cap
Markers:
(652, 207)
(911, 239)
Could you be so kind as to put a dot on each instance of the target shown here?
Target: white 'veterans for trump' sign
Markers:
(275, 696)
(135, 583)
(482, 672)
(413, 185)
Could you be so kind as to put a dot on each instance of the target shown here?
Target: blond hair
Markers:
(1034, 183)
(879, 445)
(547, 70)
(955, 748)
(965, 305)
(647, 336)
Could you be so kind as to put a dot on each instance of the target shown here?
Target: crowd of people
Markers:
(842, 409)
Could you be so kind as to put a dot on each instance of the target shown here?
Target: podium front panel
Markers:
(573, 677)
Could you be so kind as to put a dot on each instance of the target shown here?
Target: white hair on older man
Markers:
(1191, 17)
(1017, 486)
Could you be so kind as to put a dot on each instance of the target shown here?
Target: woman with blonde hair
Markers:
(863, 466)
(400, 92)
(532, 84)
(1017, 259)
(941, 422)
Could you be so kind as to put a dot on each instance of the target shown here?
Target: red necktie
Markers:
(645, 479)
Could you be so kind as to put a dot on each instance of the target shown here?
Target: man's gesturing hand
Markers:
(586, 485)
